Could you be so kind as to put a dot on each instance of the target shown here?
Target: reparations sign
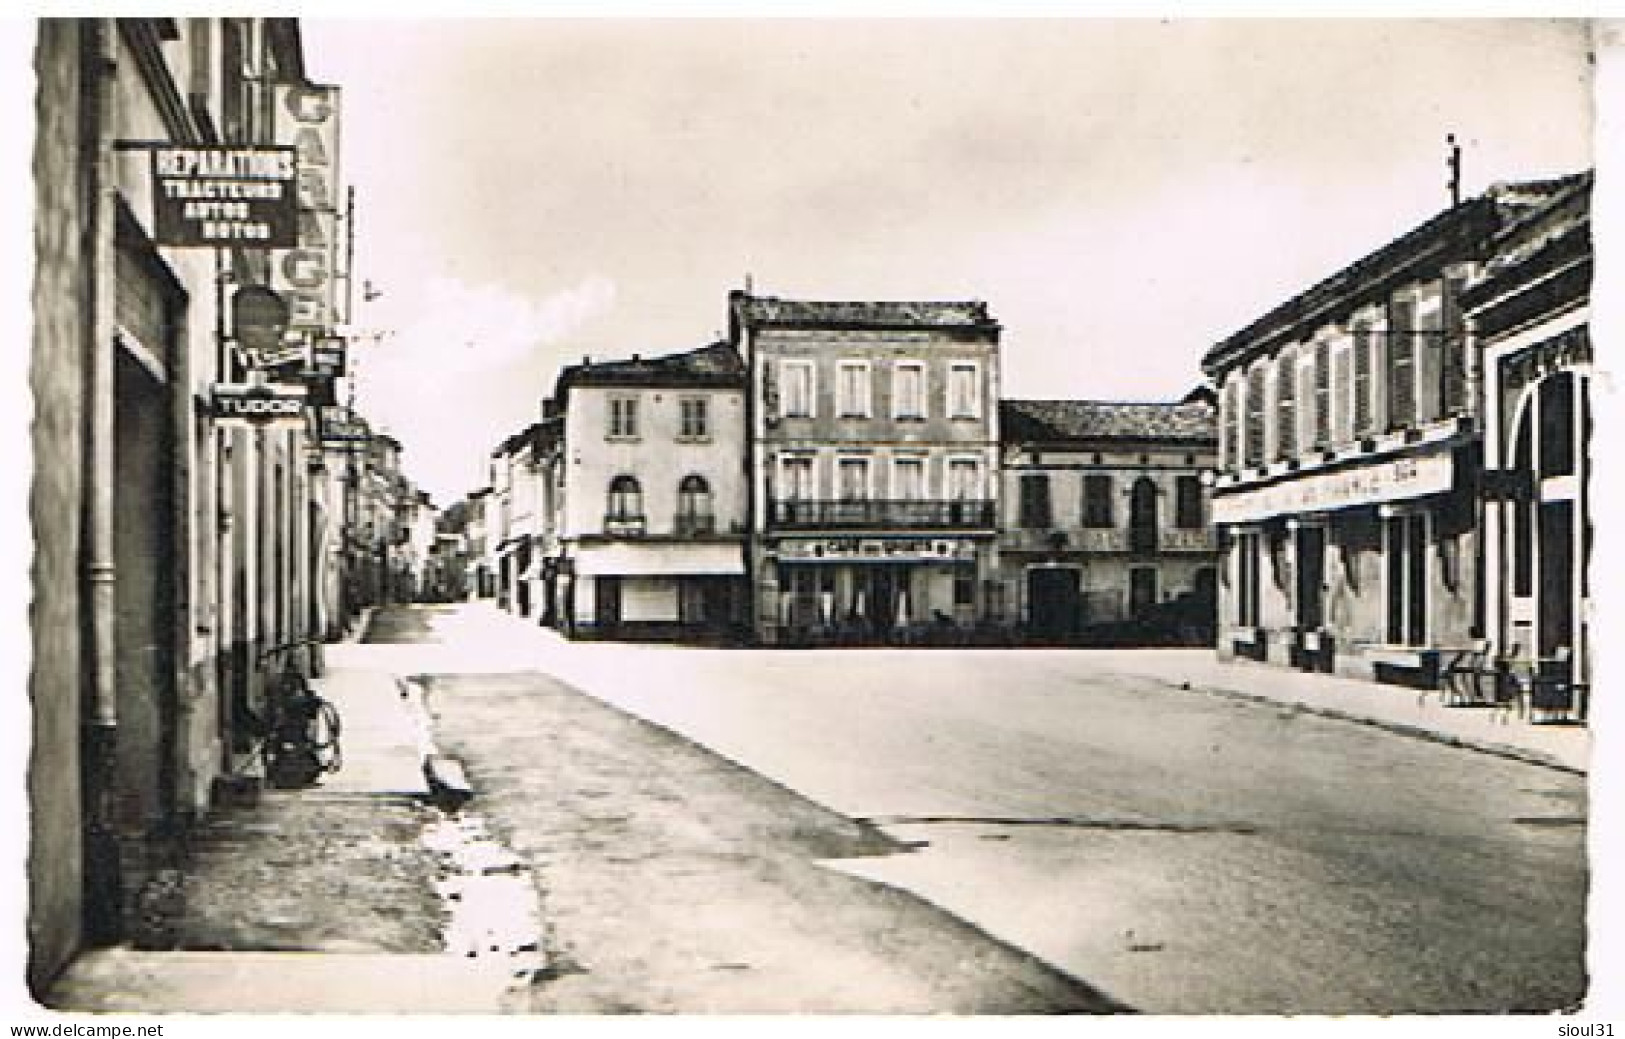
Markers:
(226, 196)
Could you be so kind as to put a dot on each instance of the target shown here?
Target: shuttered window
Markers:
(1322, 378)
(1286, 404)
(1401, 364)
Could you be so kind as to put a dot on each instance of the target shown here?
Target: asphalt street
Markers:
(1182, 852)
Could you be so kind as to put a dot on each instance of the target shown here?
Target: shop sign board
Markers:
(876, 550)
(307, 120)
(1393, 480)
(219, 196)
(257, 405)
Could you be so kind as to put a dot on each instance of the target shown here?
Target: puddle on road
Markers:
(492, 909)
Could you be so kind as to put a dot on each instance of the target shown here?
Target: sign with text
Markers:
(307, 120)
(326, 358)
(1373, 484)
(243, 196)
(256, 404)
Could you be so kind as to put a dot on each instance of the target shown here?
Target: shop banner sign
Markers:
(307, 120)
(257, 405)
(225, 196)
(326, 358)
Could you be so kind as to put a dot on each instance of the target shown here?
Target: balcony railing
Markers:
(910, 513)
(624, 526)
(692, 525)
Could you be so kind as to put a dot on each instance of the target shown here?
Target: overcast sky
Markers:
(1122, 194)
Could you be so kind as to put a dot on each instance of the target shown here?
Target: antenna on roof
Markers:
(1453, 162)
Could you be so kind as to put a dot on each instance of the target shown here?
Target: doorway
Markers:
(1054, 602)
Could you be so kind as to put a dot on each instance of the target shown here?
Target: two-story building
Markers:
(873, 449)
(1348, 490)
(648, 522)
(1104, 534)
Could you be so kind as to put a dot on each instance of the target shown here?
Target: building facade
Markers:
(1105, 536)
(873, 454)
(646, 498)
(1529, 310)
(1349, 485)
(175, 540)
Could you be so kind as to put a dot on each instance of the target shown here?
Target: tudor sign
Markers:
(257, 404)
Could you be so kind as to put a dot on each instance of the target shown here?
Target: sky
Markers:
(1122, 194)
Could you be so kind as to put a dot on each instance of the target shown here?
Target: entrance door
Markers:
(1142, 591)
(1556, 567)
(1054, 602)
(1311, 577)
(607, 602)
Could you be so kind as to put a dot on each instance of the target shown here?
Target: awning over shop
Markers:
(1391, 480)
(659, 560)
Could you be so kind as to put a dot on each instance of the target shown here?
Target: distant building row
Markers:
(846, 473)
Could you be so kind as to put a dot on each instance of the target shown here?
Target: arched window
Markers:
(694, 505)
(1142, 521)
(625, 498)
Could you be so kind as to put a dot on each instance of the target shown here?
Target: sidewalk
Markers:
(1398, 709)
(311, 901)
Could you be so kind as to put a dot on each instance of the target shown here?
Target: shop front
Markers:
(1367, 571)
(875, 590)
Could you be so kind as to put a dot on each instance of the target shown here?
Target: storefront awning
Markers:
(1396, 479)
(659, 560)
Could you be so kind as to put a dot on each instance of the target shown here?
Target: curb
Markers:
(1500, 750)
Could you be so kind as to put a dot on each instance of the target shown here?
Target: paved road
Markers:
(1185, 853)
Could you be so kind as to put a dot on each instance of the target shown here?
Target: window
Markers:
(1342, 394)
(964, 398)
(1286, 405)
(796, 479)
(1254, 444)
(694, 506)
(1097, 500)
(623, 418)
(1322, 382)
(908, 479)
(1188, 502)
(798, 389)
(1231, 413)
(1035, 510)
(908, 390)
(852, 389)
(853, 481)
(1143, 519)
(625, 499)
(1401, 364)
(1365, 405)
(693, 418)
(964, 479)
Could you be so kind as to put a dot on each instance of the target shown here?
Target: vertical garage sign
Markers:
(307, 119)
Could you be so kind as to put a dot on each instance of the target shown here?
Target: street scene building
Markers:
(1104, 535)
(644, 498)
(1528, 305)
(195, 526)
(873, 447)
(1350, 490)
(1006, 619)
